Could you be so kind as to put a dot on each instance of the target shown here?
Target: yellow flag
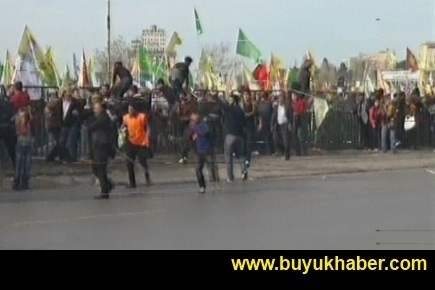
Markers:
(174, 43)
(277, 67)
(311, 57)
(135, 70)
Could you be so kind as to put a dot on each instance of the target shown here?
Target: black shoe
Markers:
(245, 175)
(147, 179)
(130, 186)
(102, 196)
(111, 186)
(15, 187)
(25, 187)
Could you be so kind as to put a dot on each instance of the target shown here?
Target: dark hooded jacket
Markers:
(305, 76)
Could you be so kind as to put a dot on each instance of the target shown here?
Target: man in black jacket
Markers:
(7, 130)
(180, 75)
(71, 110)
(305, 76)
(101, 130)
(235, 124)
(282, 123)
(126, 79)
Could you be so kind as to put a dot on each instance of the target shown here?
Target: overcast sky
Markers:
(336, 29)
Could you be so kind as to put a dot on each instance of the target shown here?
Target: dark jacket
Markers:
(305, 77)
(265, 110)
(101, 130)
(7, 112)
(180, 72)
(122, 73)
(70, 119)
(289, 115)
(235, 122)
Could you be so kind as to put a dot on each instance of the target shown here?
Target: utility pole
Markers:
(109, 40)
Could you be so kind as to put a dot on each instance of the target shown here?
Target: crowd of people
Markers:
(131, 122)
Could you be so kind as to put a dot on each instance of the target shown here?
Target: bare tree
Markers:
(120, 50)
(222, 56)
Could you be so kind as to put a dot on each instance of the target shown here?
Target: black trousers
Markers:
(282, 139)
(364, 136)
(177, 86)
(249, 141)
(133, 151)
(210, 161)
(186, 142)
(56, 150)
(9, 138)
(376, 138)
(100, 158)
(123, 87)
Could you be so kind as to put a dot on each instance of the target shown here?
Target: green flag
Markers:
(1, 69)
(247, 49)
(161, 70)
(146, 62)
(199, 30)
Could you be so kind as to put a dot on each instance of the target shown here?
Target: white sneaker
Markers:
(202, 190)
(182, 161)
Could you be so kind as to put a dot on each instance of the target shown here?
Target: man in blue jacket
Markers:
(203, 137)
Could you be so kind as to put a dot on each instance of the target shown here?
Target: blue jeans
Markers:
(23, 163)
(388, 133)
(233, 145)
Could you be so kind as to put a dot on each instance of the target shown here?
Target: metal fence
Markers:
(339, 131)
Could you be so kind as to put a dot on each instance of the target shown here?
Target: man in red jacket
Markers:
(19, 98)
(300, 123)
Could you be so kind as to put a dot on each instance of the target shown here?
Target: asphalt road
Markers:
(388, 210)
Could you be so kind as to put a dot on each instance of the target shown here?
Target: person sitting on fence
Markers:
(125, 79)
(24, 149)
(180, 75)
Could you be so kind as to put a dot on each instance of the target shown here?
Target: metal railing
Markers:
(339, 131)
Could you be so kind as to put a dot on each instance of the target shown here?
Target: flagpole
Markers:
(109, 55)
(198, 46)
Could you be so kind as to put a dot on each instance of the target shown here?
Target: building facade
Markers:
(153, 39)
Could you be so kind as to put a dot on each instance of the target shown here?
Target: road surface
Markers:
(384, 210)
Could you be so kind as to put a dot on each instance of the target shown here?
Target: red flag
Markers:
(262, 75)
